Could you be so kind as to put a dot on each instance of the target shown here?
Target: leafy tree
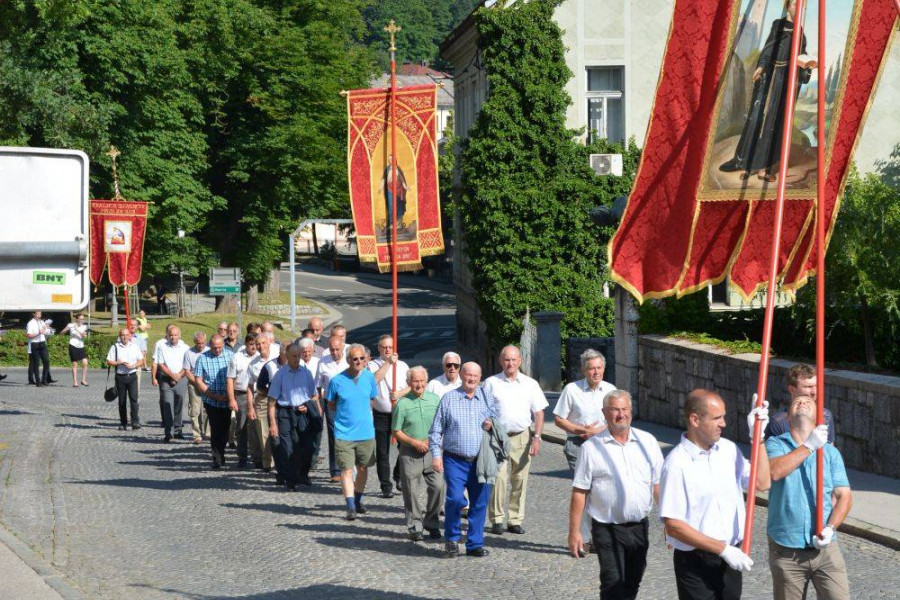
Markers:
(528, 186)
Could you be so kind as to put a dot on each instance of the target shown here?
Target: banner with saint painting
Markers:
(703, 204)
(117, 240)
(369, 156)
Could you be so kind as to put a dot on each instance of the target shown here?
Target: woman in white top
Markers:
(77, 331)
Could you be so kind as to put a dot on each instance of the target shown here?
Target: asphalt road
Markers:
(426, 323)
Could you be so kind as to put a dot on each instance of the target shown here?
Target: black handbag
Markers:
(110, 393)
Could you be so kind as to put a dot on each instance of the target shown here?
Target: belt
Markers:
(515, 433)
(461, 457)
(126, 374)
(643, 521)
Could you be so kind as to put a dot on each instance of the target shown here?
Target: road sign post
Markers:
(227, 282)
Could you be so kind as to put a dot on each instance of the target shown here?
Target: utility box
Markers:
(44, 229)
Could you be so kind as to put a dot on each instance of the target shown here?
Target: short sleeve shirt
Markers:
(414, 416)
(169, 355)
(328, 368)
(703, 488)
(130, 354)
(238, 369)
(581, 405)
(792, 500)
(353, 420)
(191, 356)
(292, 387)
(386, 386)
(516, 400)
(440, 386)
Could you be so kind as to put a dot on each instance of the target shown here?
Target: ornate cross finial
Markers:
(393, 29)
(113, 154)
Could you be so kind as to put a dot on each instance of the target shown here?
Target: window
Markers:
(605, 103)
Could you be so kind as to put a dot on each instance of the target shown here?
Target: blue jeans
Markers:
(459, 475)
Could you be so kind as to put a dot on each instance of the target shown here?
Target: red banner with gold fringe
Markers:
(702, 207)
(117, 240)
(369, 156)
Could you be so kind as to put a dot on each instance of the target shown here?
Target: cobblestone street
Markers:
(121, 515)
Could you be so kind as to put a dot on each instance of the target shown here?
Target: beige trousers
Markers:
(258, 434)
(513, 473)
(825, 569)
(199, 422)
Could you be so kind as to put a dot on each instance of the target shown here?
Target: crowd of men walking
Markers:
(465, 448)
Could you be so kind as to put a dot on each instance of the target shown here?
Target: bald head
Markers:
(510, 360)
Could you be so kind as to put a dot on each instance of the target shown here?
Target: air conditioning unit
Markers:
(607, 164)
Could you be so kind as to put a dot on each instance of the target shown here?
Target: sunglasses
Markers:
(451, 366)
(358, 359)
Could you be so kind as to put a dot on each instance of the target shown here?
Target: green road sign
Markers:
(48, 278)
(221, 289)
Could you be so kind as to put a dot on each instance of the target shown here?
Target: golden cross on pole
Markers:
(113, 154)
(393, 29)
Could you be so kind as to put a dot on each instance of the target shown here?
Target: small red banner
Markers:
(702, 207)
(369, 155)
(117, 240)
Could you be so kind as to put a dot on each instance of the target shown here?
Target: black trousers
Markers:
(622, 551)
(39, 353)
(702, 575)
(127, 385)
(219, 423)
(383, 449)
(294, 452)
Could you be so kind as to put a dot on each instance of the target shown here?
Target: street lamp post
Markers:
(181, 294)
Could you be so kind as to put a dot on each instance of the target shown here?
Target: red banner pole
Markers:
(127, 306)
(773, 271)
(820, 269)
(393, 29)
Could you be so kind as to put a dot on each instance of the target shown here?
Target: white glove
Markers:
(817, 438)
(824, 538)
(736, 559)
(760, 413)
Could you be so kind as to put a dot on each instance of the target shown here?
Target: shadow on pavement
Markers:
(322, 591)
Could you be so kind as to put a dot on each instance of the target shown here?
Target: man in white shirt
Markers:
(579, 410)
(617, 478)
(702, 503)
(127, 358)
(520, 402)
(307, 356)
(236, 384)
(450, 380)
(331, 364)
(257, 410)
(274, 347)
(37, 331)
(383, 367)
(341, 332)
(168, 373)
(199, 422)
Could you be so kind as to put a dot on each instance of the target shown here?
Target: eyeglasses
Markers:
(358, 358)
(451, 366)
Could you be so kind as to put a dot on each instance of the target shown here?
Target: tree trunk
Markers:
(273, 283)
(252, 299)
(226, 304)
(868, 334)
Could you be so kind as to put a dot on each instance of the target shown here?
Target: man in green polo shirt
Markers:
(412, 419)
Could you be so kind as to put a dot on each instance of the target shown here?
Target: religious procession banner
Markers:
(369, 156)
(703, 203)
(117, 240)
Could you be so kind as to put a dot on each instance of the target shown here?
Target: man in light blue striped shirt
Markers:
(454, 441)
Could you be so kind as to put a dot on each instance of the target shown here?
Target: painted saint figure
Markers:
(759, 147)
(386, 182)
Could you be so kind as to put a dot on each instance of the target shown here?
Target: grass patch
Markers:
(744, 346)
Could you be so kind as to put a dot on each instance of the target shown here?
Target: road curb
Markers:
(57, 581)
(873, 533)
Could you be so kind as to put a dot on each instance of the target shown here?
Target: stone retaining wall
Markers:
(866, 407)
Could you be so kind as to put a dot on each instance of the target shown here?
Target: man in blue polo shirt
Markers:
(350, 395)
(210, 379)
(797, 553)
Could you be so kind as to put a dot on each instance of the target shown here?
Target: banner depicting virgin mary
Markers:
(369, 159)
(703, 204)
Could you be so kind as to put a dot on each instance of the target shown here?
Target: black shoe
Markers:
(517, 529)
(257, 465)
(2, 377)
(279, 480)
(232, 445)
(267, 469)
(496, 529)
(477, 552)
(242, 463)
(216, 466)
(452, 549)
(397, 485)
(304, 481)
(167, 439)
(123, 427)
(731, 166)
(136, 427)
(387, 494)
(351, 515)
(292, 488)
(40, 384)
(360, 509)
(434, 534)
(49, 381)
(180, 436)
(416, 536)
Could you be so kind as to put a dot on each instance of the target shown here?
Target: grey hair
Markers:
(416, 369)
(591, 354)
(266, 334)
(199, 335)
(304, 342)
(357, 347)
(615, 395)
(450, 355)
